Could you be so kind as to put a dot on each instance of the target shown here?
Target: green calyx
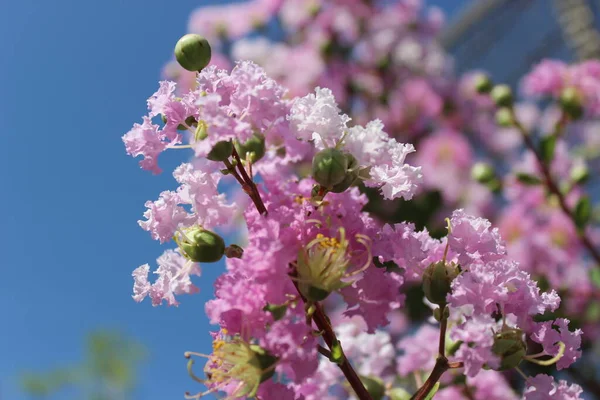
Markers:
(193, 52)
(253, 148)
(329, 167)
(200, 245)
(313, 293)
(510, 347)
(264, 361)
(437, 281)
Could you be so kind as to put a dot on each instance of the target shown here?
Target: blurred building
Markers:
(504, 37)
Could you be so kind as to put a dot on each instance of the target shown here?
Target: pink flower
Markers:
(418, 351)
(543, 387)
(173, 272)
(146, 140)
(550, 333)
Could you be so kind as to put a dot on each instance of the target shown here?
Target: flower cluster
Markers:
(342, 250)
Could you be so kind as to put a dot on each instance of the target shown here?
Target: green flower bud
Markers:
(329, 167)
(255, 146)
(351, 175)
(437, 279)
(571, 103)
(374, 386)
(504, 117)
(482, 172)
(502, 95)
(234, 251)
(200, 245)
(510, 347)
(483, 84)
(192, 52)
(201, 132)
(221, 151)
(580, 173)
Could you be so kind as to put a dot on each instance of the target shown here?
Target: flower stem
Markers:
(324, 326)
(249, 186)
(553, 187)
(441, 363)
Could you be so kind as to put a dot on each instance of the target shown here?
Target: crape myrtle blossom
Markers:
(317, 117)
(310, 244)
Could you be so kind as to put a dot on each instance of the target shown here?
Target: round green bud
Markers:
(374, 386)
(502, 95)
(504, 117)
(580, 173)
(255, 146)
(437, 281)
(483, 84)
(329, 167)
(510, 347)
(200, 245)
(570, 101)
(201, 132)
(482, 172)
(221, 151)
(351, 175)
(192, 52)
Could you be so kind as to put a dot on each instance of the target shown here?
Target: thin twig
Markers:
(553, 188)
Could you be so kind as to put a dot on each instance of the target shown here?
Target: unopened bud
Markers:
(254, 147)
(510, 347)
(351, 175)
(502, 95)
(313, 293)
(437, 281)
(234, 251)
(482, 172)
(504, 117)
(329, 167)
(580, 173)
(193, 52)
(571, 103)
(221, 151)
(483, 84)
(200, 245)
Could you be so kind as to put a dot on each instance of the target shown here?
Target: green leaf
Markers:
(583, 212)
(528, 179)
(547, 146)
(433, 391)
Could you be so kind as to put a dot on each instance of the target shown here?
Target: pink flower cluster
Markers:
(307, 247)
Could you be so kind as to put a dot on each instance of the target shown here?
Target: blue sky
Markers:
(74, 76)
